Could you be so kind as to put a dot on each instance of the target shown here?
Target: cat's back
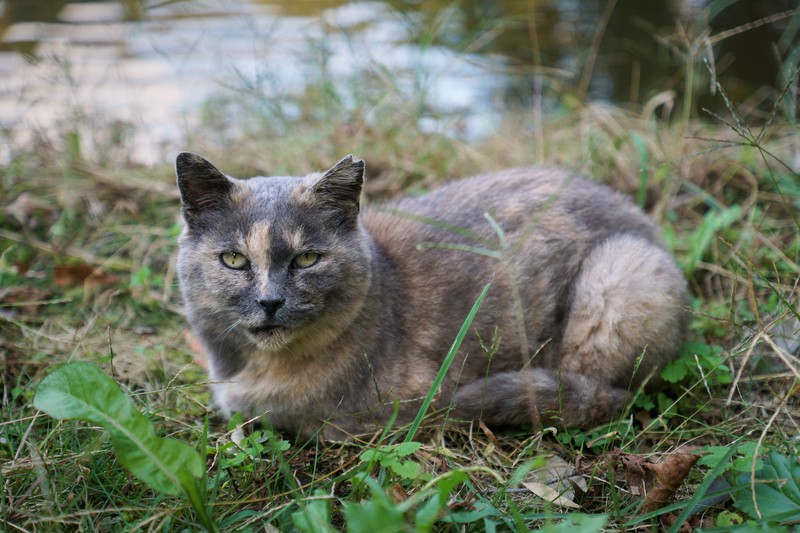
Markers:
(545, 202)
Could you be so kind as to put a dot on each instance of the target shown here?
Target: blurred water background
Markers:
(151, 69)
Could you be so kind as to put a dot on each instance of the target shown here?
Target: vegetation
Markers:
(87, 244)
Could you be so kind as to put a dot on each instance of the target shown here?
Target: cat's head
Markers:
(279, 261)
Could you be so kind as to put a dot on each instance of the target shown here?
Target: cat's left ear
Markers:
(203, 187)
(339, 188)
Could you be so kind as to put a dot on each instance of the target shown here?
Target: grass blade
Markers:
(448, 360)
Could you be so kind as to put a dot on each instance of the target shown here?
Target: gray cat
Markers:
(319, 317)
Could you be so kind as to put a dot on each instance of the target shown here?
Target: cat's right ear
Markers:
(203, 187)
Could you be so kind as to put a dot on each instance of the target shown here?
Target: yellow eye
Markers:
(234, 260)
(305, 260)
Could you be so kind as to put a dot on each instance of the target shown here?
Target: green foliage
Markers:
(392, 456)
(698, 361)
(743, 457)
(600, 438)
(377, 514)
(250, 450)
(314, 516)
(578, 522)
(81, 391)
(777, 490)
(715, 220)
(729, 519)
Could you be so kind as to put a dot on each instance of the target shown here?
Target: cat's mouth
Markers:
(267, 336)
(265, 329)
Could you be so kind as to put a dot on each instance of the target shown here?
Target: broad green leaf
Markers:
(777, 490)
(584, 523)
(314, 517)
(450, 481)
(406, 448)
(729, 518)
(377, 515)
(405, 469)
(82, 391)
(714, 454)
(674, 371)
(427, 513)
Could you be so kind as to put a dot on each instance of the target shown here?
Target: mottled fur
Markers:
(582, 292)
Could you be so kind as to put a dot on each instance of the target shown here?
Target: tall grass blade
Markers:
(448, 360)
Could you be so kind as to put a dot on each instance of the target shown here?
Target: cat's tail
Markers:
(541, 397)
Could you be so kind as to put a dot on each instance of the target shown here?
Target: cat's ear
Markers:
(339, 188)
(202, 186)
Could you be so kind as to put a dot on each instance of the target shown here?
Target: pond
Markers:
(149, 67)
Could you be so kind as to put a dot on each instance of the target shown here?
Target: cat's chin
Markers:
(269, 337)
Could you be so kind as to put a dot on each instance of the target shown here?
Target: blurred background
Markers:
(151, 71)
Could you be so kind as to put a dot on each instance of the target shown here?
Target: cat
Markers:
(320, 317)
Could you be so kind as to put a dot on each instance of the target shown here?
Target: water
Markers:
(147, 68)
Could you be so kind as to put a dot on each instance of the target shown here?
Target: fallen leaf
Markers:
(199, 355)
(82, 274)
(548, 494)
(669, 474)
(639, 479)
(560, 478)
(397, 493)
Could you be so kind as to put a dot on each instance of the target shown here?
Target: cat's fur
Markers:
(584, 304)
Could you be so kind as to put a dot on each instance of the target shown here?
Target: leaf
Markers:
(728, 518)
(199, 354)
(314, 517)
(405, 469)
(549, 495)
(777, 490)
(82, 391)
(65, 275)
(669, 474)
(378, 515)
(406, 448)
(674, 371)
(584, 523)
(713, 455)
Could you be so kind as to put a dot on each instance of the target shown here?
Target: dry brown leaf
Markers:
(82, 274)
(657, 482)
(199, 355)
(397, 493)
(669, 474)
(639, 479)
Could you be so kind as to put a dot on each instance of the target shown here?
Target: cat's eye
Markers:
(305, 260)
(234, 260)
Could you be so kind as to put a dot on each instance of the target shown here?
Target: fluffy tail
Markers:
(540, 397)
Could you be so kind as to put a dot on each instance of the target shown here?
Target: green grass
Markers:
(727, 196)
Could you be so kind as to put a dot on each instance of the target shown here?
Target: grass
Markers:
(725, 189)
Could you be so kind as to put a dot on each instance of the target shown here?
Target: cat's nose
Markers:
(271, 306)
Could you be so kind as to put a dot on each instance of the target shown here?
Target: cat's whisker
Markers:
(229, 329)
